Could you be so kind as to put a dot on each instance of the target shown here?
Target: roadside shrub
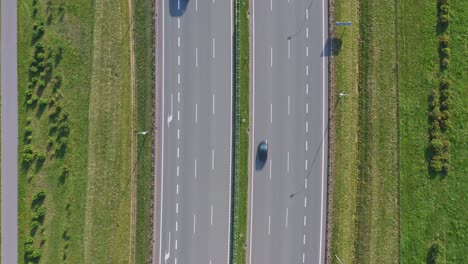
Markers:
(33, 69)
(29, 139)
(28, 158)
(29, 240)
(39, 214)
(39, 47)
(445, 124)
(435, 128)
(437, 146)
(43, 102)
(436, 164)
(445, 83)
(28, 93)
(36, 254)
(444, 9)
(435, 113)
(28, 130)
(29, 248)
(445, 52)
(38, 31)
(50, 142)
(34, 224)
(28, 120)
(65, 170)
(444, 19)
(445, 95)
(444, 40)
(35, 10)
(444, 63)
(444, 106)
(41, 156)
(39, 197)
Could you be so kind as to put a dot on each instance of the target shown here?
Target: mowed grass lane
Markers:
(344, 161)
(108, 187)
(432, 208)
(365, 168)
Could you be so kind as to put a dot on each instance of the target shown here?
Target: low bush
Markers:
(445, 83)
(39, 214)
(39, 197)
(436, 164)
(41, 156)
(444, 40)
(28, 130)
(445, 52)
(444, 63)
(444, 19)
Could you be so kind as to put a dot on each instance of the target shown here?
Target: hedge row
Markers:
(440, 98)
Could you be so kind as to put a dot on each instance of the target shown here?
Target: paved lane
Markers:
(196, 131)
(9, 82)
(290, 112)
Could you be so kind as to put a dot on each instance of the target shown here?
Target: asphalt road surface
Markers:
(288, 195)
(195, 108)
(9, 82)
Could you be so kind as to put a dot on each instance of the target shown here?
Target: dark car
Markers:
(262, 155)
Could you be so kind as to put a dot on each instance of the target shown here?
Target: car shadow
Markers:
(177, 7)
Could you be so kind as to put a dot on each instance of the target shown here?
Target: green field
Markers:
(241, 180)
(388, 207)
(62, 175)
(433, 208)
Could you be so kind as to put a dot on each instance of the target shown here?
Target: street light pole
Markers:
(343, 94)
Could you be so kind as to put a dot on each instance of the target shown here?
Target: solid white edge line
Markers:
(230, 150)
(253, 130)
(323, 133)
(162, 141)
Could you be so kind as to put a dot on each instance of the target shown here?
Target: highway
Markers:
(289, 110)
(9, 159)
(195, 108)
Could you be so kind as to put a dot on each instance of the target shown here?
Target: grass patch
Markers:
(432, 208)
(144, 57)
(365, 167)
(108, 187)
(58, 237)
(241, 180)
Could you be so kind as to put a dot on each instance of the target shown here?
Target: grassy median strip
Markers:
(144, 58)
(241, 180)
(111, 136)
(433, 208)
(365, 179)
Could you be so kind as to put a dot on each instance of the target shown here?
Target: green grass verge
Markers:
(144, 38)
(432, 209)
(365, 183)
(108, 187)
(241, 181)
(62, 229)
